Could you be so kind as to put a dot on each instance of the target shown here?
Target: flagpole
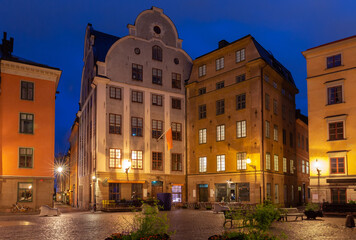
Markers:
(163, 134)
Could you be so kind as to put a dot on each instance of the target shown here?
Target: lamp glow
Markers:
(248, 161)
(59, 169)
(317, 164)
(93, 177)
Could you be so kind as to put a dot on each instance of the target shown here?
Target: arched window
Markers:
(157, 53)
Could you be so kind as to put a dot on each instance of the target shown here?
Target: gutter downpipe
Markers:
(262, 138)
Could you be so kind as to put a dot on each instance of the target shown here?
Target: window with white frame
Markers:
(240, 55)
(336, 130)
(334, 94)
(291, 166)
(202, 136)
(275, 133)
(267, 129)
(306, 167)
(220, 133)
(275, 107)
(219, 63)
(220, 163)
(268, 161)
(276, 163)
(202, 70)
(136, 159)
(202, 164)
(241, 129)
(303, 166)
(114, 158)
(241, 160)
(284, 165)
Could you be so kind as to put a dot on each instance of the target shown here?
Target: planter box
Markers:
(313, 214)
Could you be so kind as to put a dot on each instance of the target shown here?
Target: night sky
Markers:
(52, 33)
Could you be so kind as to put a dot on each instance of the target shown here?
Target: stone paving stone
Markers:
(188, 225)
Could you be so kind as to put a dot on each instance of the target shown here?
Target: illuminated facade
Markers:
(27, 115)
(331, 71)
(132, 90)
(241, 106)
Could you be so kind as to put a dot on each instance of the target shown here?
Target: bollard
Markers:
(350, 221)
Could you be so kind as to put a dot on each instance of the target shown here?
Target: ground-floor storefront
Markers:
(29, 191)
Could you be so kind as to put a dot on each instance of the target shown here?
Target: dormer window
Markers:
(157, 53)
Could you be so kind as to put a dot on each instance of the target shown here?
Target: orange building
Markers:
(27, 116)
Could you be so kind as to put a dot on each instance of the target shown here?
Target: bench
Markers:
(220, 208)
(290, 212)
(237, 216)
(47, 211)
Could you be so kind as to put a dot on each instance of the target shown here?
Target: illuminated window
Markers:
(115, 158)
(25, 157)
(137, 96)
(241, 160)
(202, 70)
(268, 161)
(220, 133)
(202, 136)
(240, 55)
(275, 133)
(220, 163)
(241, 129)
(202, 164)
(276, 163)
(219, 63)
(284, 165)
(176, 193)
(24, 191)
(136, 159)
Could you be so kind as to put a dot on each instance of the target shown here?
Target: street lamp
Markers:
(126, 166)
(248, 161)
(317, 166)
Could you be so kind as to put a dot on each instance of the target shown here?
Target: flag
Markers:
(169, 139)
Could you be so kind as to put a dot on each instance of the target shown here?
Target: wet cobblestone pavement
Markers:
(187, 224)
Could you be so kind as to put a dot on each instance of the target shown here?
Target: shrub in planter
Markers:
(208, 207)
(185, 206)
(243, 236)
(197, 206)
(312, 210)
(264, 215)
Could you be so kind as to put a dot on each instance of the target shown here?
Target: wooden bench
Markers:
(291, 212)
(236, 218)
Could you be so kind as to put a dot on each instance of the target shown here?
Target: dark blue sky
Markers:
(52, 33)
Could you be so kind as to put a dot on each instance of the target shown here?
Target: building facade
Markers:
(241, 126)
(331, 71)
(132, 91)
(27, 116)
(302, 152)
(73, 164)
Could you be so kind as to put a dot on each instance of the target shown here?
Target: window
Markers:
(25, 158)
(176, 162)
(267, 130)
(156, 100)
(292, 192)
(156, 76)
(114, 191)
(202, 136)
(303, 166)
(202, 91)
(27, 90)
(176, 81)
(157, 128)
(275, 133)
(268, 161)
(269, 194)
(157, 163)
(176, 103)
(337, 165)
(220, 133)
(267, 101)
(333, 61)
(177, 131)
(220, 85)
(24, 190)
(26, 123)
(114, 123)
(284, 165)
(291, 166)
(338, 195)
(115, 158)
(220, 163)
(306, 167)
(137, 96)
(240, 55)
(202, 111)
(115, 93)
(276, 193)
(157, 53)
(275, 85)
(241, 160)
(202, 164)
(291, 139)
(219, 63)
(284, 137)
(176, 193)
(136, 126)
(241, 101)
(220, 107)
(240, 78)
(241, 129)
(276, 162)
(136, 159)
(136, 191)
(336, 130)
(275, 107)
(202, 70)
(334, 95)
(137, 72)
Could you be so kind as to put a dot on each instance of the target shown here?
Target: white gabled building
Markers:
(132, 90)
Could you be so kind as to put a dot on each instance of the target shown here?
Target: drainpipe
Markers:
(186, 145)
(262, 137)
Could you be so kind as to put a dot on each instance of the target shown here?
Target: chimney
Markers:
(223, 43)
(7, 45)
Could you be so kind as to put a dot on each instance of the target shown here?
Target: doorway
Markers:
(203, 192)
(157, 187)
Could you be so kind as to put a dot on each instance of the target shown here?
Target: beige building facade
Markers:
(241, 126)
(331, 71)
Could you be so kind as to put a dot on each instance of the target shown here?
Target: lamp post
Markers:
(126, 166)
(248, 161)
(59, 172)
(317, 166)
(94, 196)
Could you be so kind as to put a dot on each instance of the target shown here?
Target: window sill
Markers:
(334, 104)
(336, 140)
(327, 68)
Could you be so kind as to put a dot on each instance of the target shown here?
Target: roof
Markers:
(340, 40)
(102, 44)
(25, 61)
(302, 117)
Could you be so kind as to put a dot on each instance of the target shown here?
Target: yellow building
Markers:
(241, 126)
(331, 72)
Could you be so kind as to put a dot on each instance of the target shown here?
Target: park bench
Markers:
(291, 212)
(236, 218)
(220, 208)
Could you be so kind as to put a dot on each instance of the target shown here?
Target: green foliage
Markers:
(312, 207)
(352, 202)
(264, 215)
(243, 236)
